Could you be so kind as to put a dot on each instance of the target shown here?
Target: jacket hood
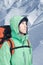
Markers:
(14, 22)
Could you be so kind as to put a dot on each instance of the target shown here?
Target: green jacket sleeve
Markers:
(5, 54)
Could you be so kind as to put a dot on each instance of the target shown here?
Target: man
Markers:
(22, 51)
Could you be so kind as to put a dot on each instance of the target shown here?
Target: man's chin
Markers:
(23, 33)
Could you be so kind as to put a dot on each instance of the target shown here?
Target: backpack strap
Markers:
(28, 43)
(11, 44)
(0, 45)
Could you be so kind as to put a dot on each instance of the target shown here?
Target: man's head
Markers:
(23, 26)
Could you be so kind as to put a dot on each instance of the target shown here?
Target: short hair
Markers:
(24, 19)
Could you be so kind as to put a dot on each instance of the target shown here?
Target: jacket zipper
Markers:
(24, 58)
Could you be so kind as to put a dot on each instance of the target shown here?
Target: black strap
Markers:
(20, 47)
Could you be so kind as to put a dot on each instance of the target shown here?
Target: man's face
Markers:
(23, 27)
